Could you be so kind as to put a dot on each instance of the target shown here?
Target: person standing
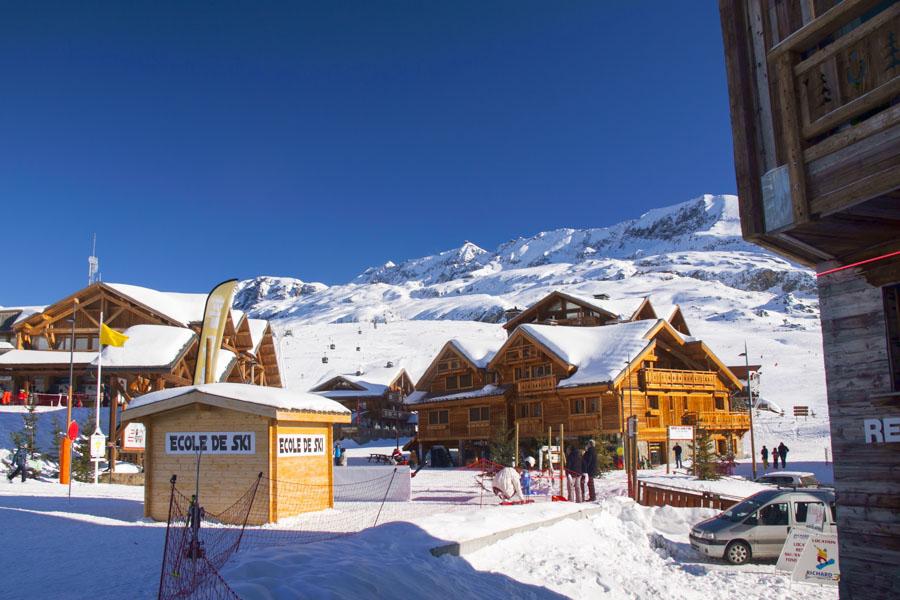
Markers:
(19, 460)
(764, 453)
(782, 452)
(677, 450)
(573, 474)
(774, 457)
(589, 466)
(337, 455)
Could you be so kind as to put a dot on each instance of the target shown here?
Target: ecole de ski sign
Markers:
(301, 445)
(210, 442)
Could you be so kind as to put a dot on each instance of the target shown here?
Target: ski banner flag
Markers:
(218, 304)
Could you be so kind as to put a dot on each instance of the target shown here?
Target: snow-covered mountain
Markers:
(669, 253)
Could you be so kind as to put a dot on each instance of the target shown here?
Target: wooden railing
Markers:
(480, 428)
(675, 379)
(579, 423)
(717, 420)
(531, 426)
(536, 386)
(651, 494)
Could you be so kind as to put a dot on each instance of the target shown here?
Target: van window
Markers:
(740, 510)
(801, 509)
(774, 514)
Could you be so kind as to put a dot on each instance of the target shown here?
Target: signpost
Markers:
(677, 433)
(134, 437)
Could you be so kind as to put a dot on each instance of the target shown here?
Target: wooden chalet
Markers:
(161, 351)
(814, 88)
(376, 401)
(588, 378)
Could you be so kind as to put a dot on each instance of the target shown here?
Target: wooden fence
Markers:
(657, 495)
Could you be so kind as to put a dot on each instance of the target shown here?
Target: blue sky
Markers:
(203, 141)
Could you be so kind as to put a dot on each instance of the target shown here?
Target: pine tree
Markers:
(29, 429)
(82, 465)
(503, 448)
(604, 458)
(704, 458)
(56, 439)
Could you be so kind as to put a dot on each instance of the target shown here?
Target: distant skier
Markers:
(19, 461)
(589, 466)
(765, 457)
(507, 485)
(677, 450)
(782, 452)
(338, 451)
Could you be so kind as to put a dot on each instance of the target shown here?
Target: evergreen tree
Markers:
(29, 429)
(82, 465)
(604, 458)
(503, 448)
(704, 458)
(56, 439)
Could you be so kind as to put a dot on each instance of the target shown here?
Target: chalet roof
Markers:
(45, 357)
(373, 382)
(257, 329)
(417, 398)
(10, 315)
(150, 346)
(599, 354)
(625, 309)
(740, 371)
(478, 352)
(184, 308)
(586, 302)
(247, 397)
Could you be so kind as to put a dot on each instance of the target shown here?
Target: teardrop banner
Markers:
(218, 305)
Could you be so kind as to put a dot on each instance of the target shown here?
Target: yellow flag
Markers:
(111, 337)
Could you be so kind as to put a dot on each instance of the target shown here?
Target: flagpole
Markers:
(97, 429)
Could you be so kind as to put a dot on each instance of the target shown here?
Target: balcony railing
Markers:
(717, 420)
(675, 379)
(480, 428)
(584, 423)
(540, 385)
(531, 426)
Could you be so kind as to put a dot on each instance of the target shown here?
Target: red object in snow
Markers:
(559, 499)
(72, 432)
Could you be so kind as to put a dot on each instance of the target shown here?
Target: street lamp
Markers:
(750, 409)
(65, 458)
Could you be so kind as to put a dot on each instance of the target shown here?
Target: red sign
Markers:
(72, 432)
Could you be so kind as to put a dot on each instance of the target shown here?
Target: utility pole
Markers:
(750, 410)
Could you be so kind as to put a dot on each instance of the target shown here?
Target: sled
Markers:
(516, 502)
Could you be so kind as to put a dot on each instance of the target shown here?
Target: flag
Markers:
(218, 306)
(111, 337)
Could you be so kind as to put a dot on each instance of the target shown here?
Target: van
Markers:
(758, 526)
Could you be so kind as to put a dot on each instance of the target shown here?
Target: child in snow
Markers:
(507, 485)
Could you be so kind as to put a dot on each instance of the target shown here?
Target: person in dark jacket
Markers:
(782, 452)
(765, 457)
(19, 460)
(677, 450)
(774, 457)
(573, 474)
(589, 466)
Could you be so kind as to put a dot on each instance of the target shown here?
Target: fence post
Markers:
(162, 569)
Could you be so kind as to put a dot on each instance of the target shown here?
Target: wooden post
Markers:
(694, 450)
(210, 368)
(667, 450)
(562, 459)
(516, 456)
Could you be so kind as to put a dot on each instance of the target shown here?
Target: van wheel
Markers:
(737, 553)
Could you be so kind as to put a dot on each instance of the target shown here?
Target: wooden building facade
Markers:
(588, 378)
(814, 88)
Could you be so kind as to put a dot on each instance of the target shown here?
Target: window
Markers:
(528, 409)
(578, 406)
(801, 509)
(521, 411)
(720, 403)
(593, 404)
(480, 413)
(438, 417)
(536, 409)
(526, 351)
(892, 321)
(774, 514)
(541, 371)
(452, 382)
(653, 402)
(465, 381)
(519, 373)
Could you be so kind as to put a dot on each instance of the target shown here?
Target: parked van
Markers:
(758, 526)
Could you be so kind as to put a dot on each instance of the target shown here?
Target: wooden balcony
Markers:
(671, 379)
(531, 427)
(713, 420)
(541, 385)
(584, 423)
(480, 429)
(816, 125)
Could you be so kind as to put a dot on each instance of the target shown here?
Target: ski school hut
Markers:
(238, 431)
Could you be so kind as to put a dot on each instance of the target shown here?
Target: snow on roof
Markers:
(45, 357)
(10, 315)
(599, 353)
(6, 346)
(149, 346)
(185, 308)
(622, 307)
(374, 381)
(478, 351)
(488, 390)
(223, 363)
(257, 329)
(236, 316)
(255, 394)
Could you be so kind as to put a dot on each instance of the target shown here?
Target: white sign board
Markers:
(134, 437)
(815, 516)
(818, 563)
(210, 442)
(681, 432)
(301, 444)
(792, 549)
(885, 430)
(98, 445)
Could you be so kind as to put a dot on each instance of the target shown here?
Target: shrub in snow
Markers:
(503, 447)
(706, 464)
(82, 466)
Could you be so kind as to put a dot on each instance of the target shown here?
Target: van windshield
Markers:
(739, 511)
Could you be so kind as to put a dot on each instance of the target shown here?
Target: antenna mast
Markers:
(93, 261)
